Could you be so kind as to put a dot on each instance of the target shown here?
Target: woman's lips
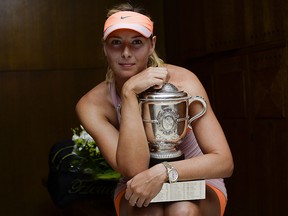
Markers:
(126, 65)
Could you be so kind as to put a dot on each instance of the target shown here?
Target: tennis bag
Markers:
(67, 182)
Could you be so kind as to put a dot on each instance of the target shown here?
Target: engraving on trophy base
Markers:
(166, 154)
(186, 190)
(161, 156)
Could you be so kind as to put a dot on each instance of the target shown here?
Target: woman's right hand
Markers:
(143, 187)
(150, 77)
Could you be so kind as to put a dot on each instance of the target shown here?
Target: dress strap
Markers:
(115, 99)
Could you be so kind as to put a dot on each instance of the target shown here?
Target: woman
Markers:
(110, 114)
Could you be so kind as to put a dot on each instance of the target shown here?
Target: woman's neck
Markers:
(118, 87)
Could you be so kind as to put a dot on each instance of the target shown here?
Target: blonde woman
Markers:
(110, 114)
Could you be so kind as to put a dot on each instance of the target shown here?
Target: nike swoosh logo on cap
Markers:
(124, 17)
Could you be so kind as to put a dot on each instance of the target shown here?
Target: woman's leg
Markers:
(155, 209)
(123, 208)
(209, 206)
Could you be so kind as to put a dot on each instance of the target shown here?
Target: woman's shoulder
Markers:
(172, 67)
(185, 79)
(180, 74)
(175, 70)
(96, 92)
(99, 95)
(98, 103)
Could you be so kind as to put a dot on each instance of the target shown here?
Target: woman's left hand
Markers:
(142, 188)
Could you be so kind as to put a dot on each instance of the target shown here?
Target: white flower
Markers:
(84, 143)
(85, 136)
(75, 137)
(97, 150)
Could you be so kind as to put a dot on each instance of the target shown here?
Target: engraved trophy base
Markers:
(161, 156)
(186, 190)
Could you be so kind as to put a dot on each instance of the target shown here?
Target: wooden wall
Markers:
(50, 55)
(238, 49)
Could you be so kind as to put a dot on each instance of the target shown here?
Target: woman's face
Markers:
(127, 52)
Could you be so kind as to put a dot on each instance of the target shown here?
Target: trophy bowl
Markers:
(165, 119)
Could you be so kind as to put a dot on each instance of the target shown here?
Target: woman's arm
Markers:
(133, 154)
(125, 147)
(217, 160)
(98, 116)
(133, 151)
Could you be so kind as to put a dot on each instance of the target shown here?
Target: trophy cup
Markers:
(165, 118)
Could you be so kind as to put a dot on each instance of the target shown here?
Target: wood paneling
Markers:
(205, 27)
(249, 94)
(263, 21)
(230, 87)
(224, 25)
(241, 57)
(37, 110)
(269, 83)
(38, 34)
(50, 55)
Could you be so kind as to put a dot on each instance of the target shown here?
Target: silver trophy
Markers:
(165, 118)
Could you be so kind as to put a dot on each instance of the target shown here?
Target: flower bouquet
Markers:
(92, 162)
(78, 171)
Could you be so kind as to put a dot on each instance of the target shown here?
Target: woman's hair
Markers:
(154, 60)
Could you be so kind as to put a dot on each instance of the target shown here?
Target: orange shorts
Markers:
(221, 197)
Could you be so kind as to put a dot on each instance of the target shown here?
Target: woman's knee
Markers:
(152, 209)
(183, 209)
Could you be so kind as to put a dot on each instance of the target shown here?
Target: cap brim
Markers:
(136, 27)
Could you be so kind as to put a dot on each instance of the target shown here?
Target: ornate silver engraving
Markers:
(167, 120)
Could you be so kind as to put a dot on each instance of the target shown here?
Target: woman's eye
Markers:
(137, 42)
(115, 42)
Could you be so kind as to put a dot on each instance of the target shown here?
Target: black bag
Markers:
(66, 180)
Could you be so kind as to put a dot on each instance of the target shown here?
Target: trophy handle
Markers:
(203, 111)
